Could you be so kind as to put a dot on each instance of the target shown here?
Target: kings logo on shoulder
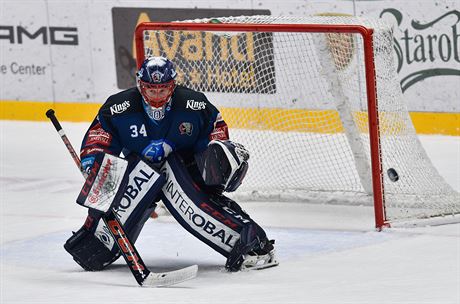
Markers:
(119, 107)
(195, 105)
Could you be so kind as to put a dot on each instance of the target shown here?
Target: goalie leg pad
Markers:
(214, 219)
(93, 246)
(251, 252)
(87, 250)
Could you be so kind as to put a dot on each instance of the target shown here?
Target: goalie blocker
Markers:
(210, 216)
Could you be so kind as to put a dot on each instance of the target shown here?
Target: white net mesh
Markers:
(298, 102)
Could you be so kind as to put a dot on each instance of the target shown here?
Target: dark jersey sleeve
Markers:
(214, 128)
(101, 137)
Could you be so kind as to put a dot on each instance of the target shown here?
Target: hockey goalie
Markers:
(181, 137)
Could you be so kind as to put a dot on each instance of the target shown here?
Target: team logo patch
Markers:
(186, 128)
(156, 76)
(220, 131)
(98, 136)
(158, 114)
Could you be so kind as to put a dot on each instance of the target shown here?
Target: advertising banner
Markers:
(44, 57)
(427, 50)
(126, 19)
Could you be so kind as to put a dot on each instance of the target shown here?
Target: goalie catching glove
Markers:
(223, 164)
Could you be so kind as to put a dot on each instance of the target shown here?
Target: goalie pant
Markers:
(214, 219)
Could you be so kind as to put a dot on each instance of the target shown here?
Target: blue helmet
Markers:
(155, 81)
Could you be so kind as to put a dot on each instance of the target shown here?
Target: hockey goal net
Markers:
(316, 101)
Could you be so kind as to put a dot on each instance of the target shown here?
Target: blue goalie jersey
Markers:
(190, 122)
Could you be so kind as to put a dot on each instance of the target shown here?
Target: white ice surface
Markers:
(328, 254)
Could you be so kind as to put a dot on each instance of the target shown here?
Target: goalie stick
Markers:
(142, 274)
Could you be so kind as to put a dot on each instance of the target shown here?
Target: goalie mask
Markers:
(223, 164)
(155, 82)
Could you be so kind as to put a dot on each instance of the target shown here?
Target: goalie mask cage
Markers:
(317, 103)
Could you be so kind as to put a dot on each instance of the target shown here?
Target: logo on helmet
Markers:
(156, 77)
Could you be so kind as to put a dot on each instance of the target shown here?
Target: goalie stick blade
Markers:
(164, 279)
